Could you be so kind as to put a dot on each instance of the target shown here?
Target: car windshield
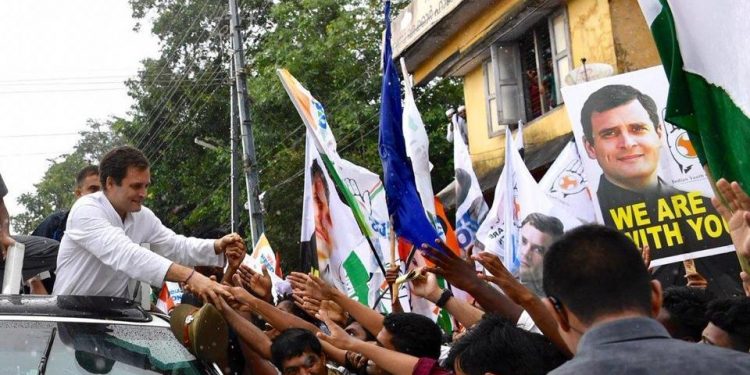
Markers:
(83, 348)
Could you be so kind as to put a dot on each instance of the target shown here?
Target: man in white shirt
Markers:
(100, 251)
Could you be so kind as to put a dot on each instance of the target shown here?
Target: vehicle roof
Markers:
(89, 308)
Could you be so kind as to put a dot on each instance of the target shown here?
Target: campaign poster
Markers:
(643, 173)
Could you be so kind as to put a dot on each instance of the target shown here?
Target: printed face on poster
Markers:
(643, 173)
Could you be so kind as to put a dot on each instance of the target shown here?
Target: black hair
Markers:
(116, 162)
(613, 96)
(414, 334)
(292, 343)
(596, 270)
(85, 172)
(546, 224)
(298, 311)
(733, 316)
(687, 311)
(317, 172)
(495, 345)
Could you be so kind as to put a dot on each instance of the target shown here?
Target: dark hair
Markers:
(497, 346)
(733, 316)
(88, 170)
(414, 334)
(116, 162)
(613, 96)
(546, 224)
(595, 270)
(687, 311)
(316, 171)
(292, 343)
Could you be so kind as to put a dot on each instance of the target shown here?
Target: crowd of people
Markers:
(587, 304)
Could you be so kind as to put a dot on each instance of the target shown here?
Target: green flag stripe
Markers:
(358, 276)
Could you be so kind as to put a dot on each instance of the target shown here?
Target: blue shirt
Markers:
(643, 346)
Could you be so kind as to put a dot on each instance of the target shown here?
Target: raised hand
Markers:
(338, 337)
(455, 270)
(208, 289)
(221, 244)
(500, 276)
(234, 254)
(425, 286)
(310, 286)
(259, 285)
(736, 211)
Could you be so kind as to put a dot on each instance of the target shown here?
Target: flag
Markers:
(345, 219)
(702, 46)
(565, 183)
(516, 196)
(165, 303)
(404, 203)
(417, 149)
(519, 140)
(471, 209)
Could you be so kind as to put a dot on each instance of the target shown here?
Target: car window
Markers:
(82, 348)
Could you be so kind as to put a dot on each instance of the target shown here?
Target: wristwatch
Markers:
(444, 297)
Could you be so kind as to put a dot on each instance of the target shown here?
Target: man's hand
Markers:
(745, 282)
(426, 286)
(241, 294)
(310, 286)
(338, 337)
(209, 290)
(221, 244)
(500, 276)
(392, 274)
(234, 254)
(6, 241)
(334, 311)
(455, 270)
(258, 284)
(736, 212)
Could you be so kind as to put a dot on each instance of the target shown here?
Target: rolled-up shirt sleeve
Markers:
(94, 233)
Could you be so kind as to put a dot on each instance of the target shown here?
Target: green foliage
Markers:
(331, 46)
(55, 191)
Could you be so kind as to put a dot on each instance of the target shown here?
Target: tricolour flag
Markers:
(471, 209)
(404, 203)
(165, 303)
(344, 212)
(703, 46)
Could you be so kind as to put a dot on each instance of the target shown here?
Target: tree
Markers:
(331, 46)
(55, 191)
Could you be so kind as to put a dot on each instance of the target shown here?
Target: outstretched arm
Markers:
(426, 286)
(314, 287)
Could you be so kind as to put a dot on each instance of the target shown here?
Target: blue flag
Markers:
(404, 204)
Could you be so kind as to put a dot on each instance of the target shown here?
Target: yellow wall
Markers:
(633, 41)
(466, 37)
(591, 32)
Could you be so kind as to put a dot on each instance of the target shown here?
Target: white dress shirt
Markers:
(99, 253)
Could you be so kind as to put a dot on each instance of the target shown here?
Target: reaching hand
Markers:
(338, 337)
(455, 270)
(745, 282)
(736, 212)
(310, 286)
(500, 276)
(239, 293)
(221, 244)
(425, 286)
(310, 305)
(334, 311)
(259, 285)
(392, 274)
(5, 243)
(234, 254)
(209, 290)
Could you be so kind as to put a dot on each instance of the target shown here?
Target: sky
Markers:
(63, 62)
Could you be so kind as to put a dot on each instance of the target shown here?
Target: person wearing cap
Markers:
(100, 252)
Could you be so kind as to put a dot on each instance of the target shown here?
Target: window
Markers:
(522, 78)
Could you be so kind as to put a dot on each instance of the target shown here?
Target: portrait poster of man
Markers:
(644, 176)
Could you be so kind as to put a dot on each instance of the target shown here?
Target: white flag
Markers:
(471, 209)
(565, 182)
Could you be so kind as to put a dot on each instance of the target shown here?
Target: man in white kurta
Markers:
(100, 252)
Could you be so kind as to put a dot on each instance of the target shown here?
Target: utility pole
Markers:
(248, 143)
(234, 132)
